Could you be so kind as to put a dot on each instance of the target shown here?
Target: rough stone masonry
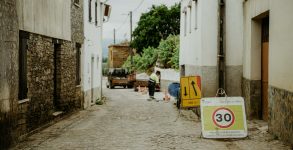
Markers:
(8, 71)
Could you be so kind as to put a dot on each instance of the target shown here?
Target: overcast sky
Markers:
(120, 19)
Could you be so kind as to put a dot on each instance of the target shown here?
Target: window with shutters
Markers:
(96, 13)
(90, 10)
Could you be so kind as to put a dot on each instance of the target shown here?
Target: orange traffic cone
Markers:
(138, 89)
(166, 96)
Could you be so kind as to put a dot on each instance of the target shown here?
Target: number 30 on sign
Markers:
(223, 117)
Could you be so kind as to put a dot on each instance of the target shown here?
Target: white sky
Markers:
(119, 15)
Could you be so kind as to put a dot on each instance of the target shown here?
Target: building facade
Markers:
(243, 46)
(39, 71)
(199, 46)
(117, 55)
(94, 16)
(267, 75)
(8, 72)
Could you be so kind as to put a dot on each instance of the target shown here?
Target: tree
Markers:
(168, 51)
(142, 63)
(167, 54)
(155, 25)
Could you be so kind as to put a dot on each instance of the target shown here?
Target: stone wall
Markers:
(44, 96)
(77, 22)
(280, 113)
(251, 91)
(8, 72)
(68, 77)
(118, 54)
(40, 75)
(77, 29)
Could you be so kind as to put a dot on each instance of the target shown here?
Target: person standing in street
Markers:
(154, 79)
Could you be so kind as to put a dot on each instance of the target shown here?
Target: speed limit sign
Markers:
(223, 117)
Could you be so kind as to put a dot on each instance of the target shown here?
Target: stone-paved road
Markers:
(128, 122)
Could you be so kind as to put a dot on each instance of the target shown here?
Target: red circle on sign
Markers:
(225, 126)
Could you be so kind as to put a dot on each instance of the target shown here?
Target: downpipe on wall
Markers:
(221, 45)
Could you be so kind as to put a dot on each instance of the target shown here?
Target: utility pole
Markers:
(130, 14)
(114, 36)
(131, 53)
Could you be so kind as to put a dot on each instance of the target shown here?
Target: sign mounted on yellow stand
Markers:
(190, 91)
(223, 117)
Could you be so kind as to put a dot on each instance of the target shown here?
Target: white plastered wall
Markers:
(46, 17)
(199, 47)
(234, 32)
(92, 54)
(281, 44)
(252, 38)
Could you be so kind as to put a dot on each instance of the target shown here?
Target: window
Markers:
(23, 38)
(78, 64)
(185, 21)
(190, 14)
(195, 14)
(90, 10)
(96, 13)
(76, 2)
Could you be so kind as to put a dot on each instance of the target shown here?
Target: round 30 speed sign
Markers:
(223, 117)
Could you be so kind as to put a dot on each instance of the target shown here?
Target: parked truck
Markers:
(120, 77)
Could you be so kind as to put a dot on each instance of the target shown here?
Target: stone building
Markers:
(244, 46)
(8, 72)
(40, 73)
(117, 55)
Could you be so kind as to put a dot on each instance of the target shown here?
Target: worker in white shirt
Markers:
(154, 79)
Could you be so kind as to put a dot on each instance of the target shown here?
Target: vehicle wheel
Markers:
(111, 86)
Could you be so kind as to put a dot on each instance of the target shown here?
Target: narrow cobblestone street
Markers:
(128, 121)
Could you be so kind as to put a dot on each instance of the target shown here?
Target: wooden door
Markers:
(265, 67)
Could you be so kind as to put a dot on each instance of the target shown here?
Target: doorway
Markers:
(264, 66)
(57, 75)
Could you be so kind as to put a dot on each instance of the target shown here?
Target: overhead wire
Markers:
(138, 6)
(125, 20)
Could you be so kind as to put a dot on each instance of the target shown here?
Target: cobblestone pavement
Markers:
(127, 121)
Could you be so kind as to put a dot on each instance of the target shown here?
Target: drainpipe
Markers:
(221, 49)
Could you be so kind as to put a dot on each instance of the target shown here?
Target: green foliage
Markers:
(155, 25)
(105, 69)
(167, 54)
(105, 59)
(143, 62)
(127, 64)
(167, 51)
(175, 58)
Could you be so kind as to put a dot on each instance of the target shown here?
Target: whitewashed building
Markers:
(94, 15)
(199, 43)
(250, 41)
